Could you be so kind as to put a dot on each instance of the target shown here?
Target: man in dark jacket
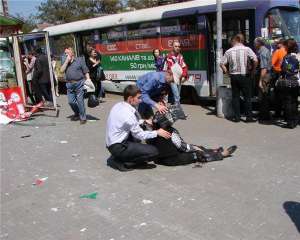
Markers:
(41, 78)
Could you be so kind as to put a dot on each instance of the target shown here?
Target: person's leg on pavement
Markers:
(46, 91)
(37, 91)
(72, 99)
(235, 97)
(246, 91)
(176, 93)
(79, 91)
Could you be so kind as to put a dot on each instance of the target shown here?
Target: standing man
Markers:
(238, 58)
(123, 129)
(153, 86)
(76, 73)
(264, 57)
(176, 64)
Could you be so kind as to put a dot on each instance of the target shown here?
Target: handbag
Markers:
(100, 74)
(92, 101)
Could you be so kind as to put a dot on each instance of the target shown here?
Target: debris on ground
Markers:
(89, 195)
(145, 201)
(39, 181)
(83, 229)
(26, 136)
(63, 141)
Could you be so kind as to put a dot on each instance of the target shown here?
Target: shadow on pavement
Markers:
(293, 210)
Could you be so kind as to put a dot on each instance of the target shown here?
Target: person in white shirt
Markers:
(123, 130)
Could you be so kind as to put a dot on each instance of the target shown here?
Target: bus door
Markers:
(234, 22)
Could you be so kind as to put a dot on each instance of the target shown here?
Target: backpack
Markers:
(290, 71)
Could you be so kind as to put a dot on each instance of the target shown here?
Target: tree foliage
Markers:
(64, 11)
(30, 22)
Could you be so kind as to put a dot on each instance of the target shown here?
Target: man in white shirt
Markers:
(122, 130)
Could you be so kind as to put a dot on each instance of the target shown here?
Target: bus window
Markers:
(283, 23)
(113, 40)
(143, 36)
(182, 29)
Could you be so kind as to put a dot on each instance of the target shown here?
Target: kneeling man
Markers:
(123, 130)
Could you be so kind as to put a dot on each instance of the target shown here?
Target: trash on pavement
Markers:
(89, 195)
(39, 181)
(26, 136)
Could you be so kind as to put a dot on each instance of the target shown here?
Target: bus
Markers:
(126, 40)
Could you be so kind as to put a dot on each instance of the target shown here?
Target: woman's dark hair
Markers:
(291, 46)
(131, 91)
(154, 51)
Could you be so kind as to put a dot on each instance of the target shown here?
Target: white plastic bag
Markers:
(177, 72)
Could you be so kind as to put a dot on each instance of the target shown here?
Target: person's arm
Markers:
(275, 58)
(64, 66)
(223, 63)
(254, 59)
(184, 67)
(139, 133)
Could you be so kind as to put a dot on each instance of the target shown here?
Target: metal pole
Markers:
(219, 56)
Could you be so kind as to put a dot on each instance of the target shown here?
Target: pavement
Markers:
(253, 195)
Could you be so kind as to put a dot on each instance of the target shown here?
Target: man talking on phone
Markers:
(76, 72)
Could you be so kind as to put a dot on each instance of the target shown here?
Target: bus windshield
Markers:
(285, 23)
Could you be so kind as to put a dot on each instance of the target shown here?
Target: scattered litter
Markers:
(143, 224)
(179, 199)
(72, 170)
(91, 120)
(90, 195)
(147, 201)
(74, 155)
(54, 209)
(7, 194)
(83, 229)
(209, 218)
(63, 141)
(26, 136)
(39, 181)
(192, 199)
(36, 127)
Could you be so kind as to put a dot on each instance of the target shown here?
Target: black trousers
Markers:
(241, 84)
(264, 105)
(289, 96)
(42, 90)
(133, 152)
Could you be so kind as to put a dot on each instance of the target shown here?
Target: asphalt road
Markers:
(253, 195)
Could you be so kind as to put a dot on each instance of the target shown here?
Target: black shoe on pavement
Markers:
(249, 120)
(235, 119)
(118, 165)
(232, 149)
(75, 118)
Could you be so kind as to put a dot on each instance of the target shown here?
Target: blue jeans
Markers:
(75, 92)
(176, 92)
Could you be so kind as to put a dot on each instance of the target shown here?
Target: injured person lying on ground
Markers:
(175, 151)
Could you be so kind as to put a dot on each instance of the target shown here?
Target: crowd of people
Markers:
(277, 77)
